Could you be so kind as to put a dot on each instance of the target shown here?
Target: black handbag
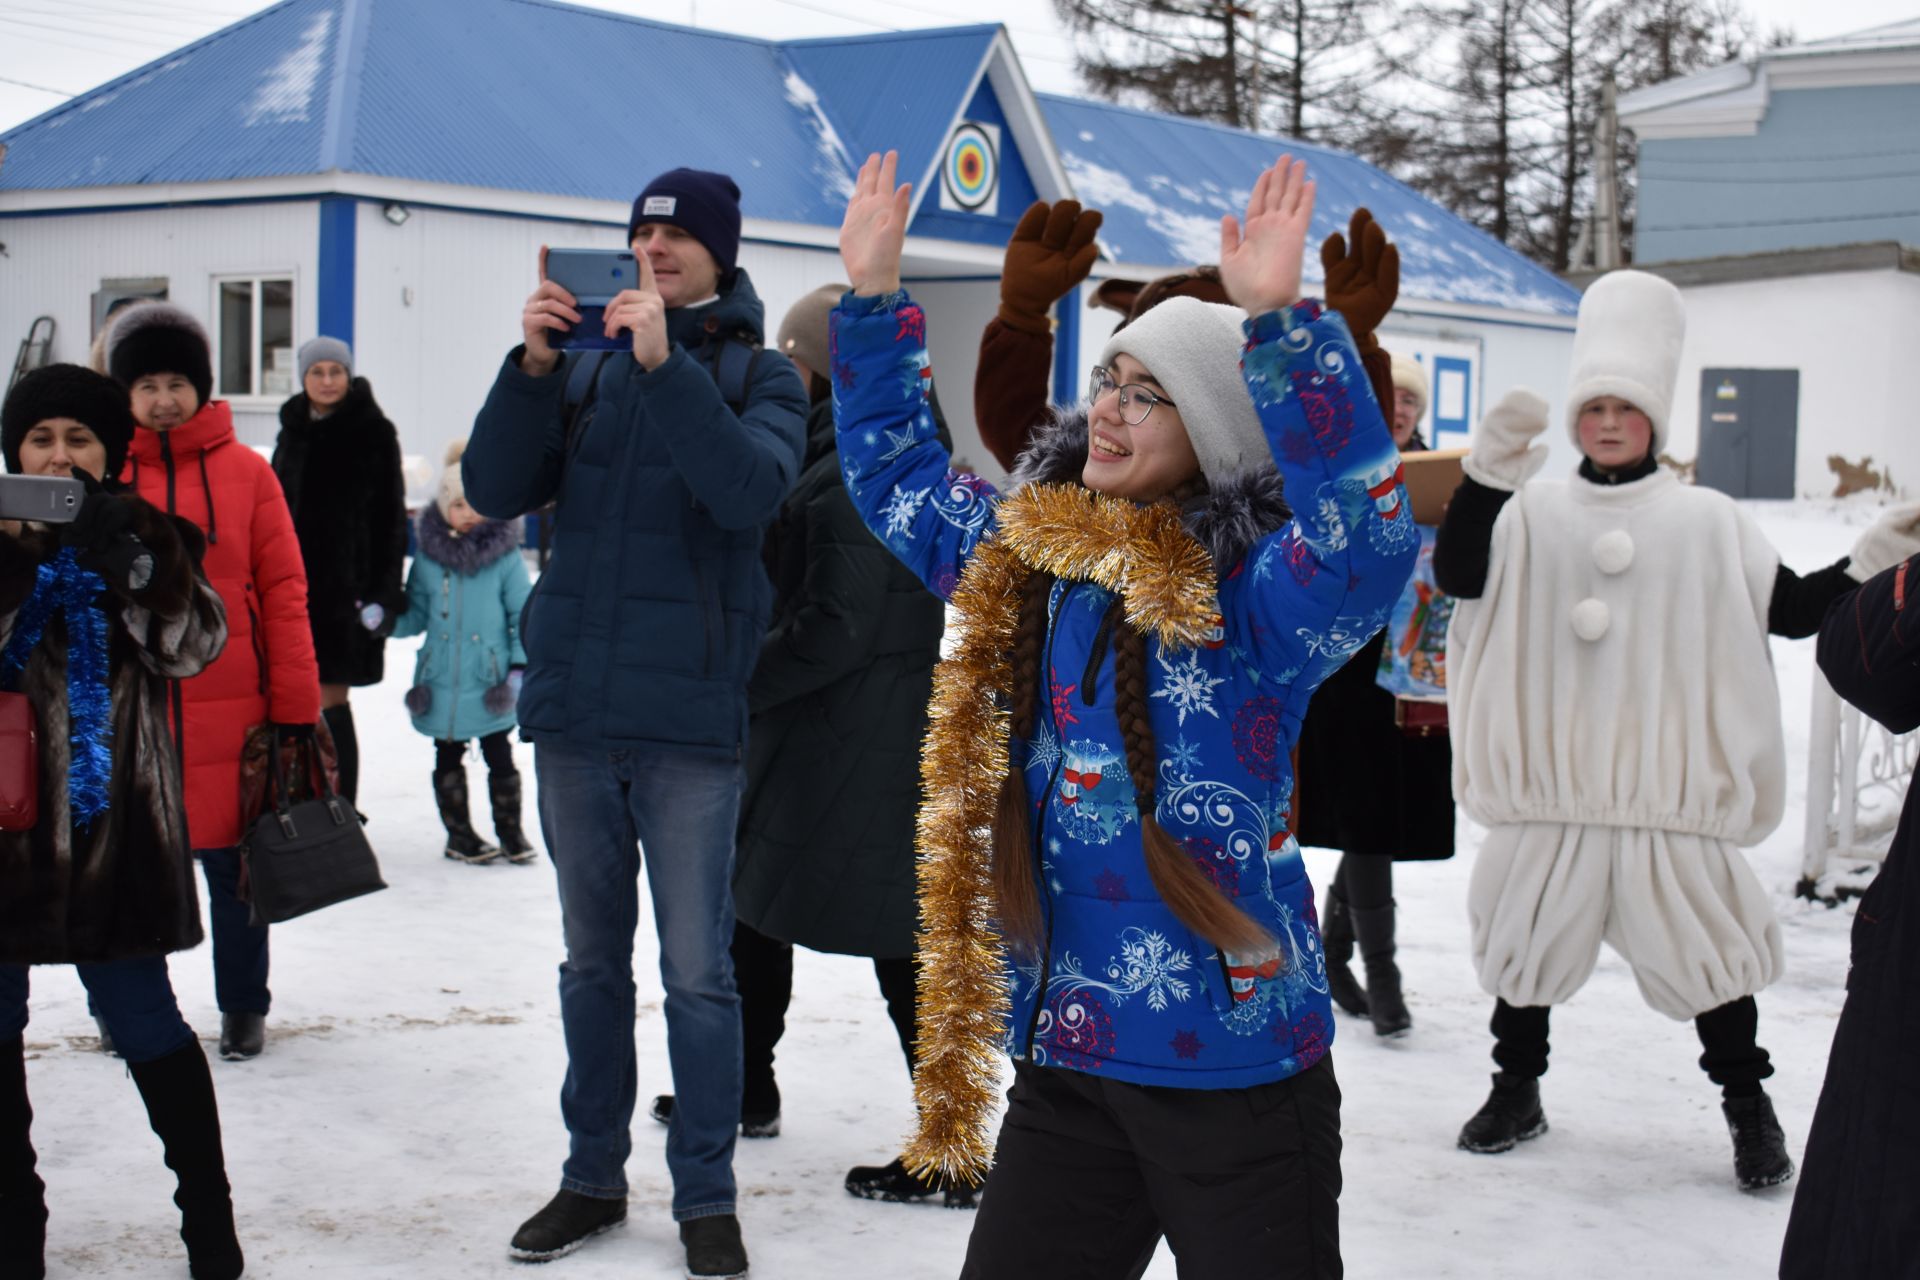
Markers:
(302, 857)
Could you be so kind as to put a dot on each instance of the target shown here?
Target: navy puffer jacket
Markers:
(646, 624)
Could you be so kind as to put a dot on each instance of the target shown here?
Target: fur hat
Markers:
(1626, 343)
(1192, 348)
(704, 205)
(314, 350)
(68, 391)
(1409, 375)
(160, 338)
(803, 333)
(452, 486)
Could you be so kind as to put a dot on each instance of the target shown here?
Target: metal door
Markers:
(1749, 431)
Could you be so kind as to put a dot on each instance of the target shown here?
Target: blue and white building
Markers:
(385, 171)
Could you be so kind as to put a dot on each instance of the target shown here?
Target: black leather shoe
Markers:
(753, 1124)
(568, 1221)
(894, 1184)
(714, 1248)
(1760, 1156)
(242, 1035)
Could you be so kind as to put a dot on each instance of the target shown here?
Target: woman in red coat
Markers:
(186, 461)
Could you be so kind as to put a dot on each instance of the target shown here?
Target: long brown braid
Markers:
(1187, 891)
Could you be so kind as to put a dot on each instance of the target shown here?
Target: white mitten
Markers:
(1892, 538)
(1503, 455)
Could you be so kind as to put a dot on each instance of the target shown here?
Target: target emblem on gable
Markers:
(970, 170)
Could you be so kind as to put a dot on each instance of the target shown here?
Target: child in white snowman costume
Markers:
(1615, 719)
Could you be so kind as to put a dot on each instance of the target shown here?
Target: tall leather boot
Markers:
(503, 788)
(346, 746)
(23, 1197)
(1338, 942)
(1373, 926)
(463, 842)
(178, 1091)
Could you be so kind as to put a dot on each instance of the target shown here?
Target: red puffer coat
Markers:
(267, 672)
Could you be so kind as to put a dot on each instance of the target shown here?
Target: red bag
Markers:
(1420, 718)
(19, 764)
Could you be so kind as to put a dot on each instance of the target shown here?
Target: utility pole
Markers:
(1606, 189)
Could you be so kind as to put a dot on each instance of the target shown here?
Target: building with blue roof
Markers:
(386, 170)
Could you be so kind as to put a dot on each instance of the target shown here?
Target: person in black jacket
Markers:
(824, 857)
(338, 459)
(1857, 1209)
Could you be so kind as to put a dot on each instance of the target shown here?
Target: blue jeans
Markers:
(239, 947)
(598, 809)
(133, 997)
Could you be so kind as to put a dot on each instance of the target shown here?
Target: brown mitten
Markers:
(1363, 275)
(1052, 250)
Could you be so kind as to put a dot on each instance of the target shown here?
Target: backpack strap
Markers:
(732, 368)
(583, 387)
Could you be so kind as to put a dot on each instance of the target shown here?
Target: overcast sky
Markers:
(50, 49)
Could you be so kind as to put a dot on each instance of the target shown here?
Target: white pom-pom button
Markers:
(1613, 551)
(1591, 618)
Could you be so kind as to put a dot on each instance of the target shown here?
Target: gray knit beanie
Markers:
(314, 350)
(1192, 348)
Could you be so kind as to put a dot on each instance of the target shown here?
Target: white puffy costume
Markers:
(1615, 717)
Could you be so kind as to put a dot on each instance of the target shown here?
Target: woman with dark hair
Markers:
(97, 619)
(1107, 887)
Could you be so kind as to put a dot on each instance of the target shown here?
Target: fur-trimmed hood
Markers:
(1227, 519)
(465, 552)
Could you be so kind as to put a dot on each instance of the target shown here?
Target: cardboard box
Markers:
(1431, 478)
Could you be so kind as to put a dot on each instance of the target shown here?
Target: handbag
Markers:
(19, 764)
(1420, 717)
(302, 857)
(302, 760)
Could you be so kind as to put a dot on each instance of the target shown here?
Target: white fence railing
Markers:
(1857, 776)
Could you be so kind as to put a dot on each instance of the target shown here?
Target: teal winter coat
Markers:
(465, 593)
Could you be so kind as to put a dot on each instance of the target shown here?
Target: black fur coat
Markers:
(122, 886)
(343, 484)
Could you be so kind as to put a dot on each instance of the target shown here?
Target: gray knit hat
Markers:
(314, 350)
(1192, 348)
(803, 333)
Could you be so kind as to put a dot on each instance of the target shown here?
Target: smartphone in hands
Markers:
(594, 277)
(45, 499)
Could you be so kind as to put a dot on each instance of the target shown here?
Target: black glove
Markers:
(102, 537)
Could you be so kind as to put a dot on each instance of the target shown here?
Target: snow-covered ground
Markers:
(405, 1119)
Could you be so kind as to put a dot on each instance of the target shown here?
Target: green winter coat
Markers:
(465, 594)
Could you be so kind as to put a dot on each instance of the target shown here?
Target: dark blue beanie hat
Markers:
(704, 205)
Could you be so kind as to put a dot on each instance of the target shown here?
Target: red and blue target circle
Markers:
(972, 169)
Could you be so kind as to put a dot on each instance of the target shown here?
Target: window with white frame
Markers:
(253, 337)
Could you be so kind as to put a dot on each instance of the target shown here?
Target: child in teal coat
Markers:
(464, 593)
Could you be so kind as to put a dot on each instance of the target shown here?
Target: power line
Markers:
(1646, 226)
(1768, 180)
(42, 88)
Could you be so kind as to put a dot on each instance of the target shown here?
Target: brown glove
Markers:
(1052, 250)
(1363, 282)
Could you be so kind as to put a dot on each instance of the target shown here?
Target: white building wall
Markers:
(1852, 336)
(53, 265)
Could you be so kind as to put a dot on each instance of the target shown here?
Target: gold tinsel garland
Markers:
(1166, 579)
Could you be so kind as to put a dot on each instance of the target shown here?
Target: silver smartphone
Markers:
(47, 499)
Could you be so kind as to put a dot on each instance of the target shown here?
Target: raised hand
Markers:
(1362, 273)
(1504, 454)
(549, 309)
(1052, 250)
(1890, 540)
(875, 229)
(643, 311)
(1260, 261)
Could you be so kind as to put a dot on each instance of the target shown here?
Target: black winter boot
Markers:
(714, 1248)
(504, 790)
(563, 1224)
(178, 1091)
(463, 842)
(1338, 940)
(23, 1197)
(1759, 1147)
(1385, 1005)
(759, 1121)
(1510, 1115)
(895, 1184)
(346, 747)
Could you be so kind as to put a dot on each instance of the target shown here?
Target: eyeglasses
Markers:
(1136, 402)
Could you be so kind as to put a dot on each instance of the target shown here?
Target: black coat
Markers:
(348, 499)
(1856, 1211)
(839, 706)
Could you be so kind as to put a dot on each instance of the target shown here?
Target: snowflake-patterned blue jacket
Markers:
(1123, 988)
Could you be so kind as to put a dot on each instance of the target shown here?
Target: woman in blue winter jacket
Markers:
(464, 593)
(1108, 889)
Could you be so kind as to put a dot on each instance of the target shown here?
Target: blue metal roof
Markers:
(1163, 181)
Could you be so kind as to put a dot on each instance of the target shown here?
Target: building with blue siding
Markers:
(386, 171)
(1783, 196)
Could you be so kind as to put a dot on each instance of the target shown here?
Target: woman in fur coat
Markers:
(97, 619)
(338, 459)
(1108, 889)
(1616, 723)
(465, 593)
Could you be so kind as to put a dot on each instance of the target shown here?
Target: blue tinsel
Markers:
(62, 584)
